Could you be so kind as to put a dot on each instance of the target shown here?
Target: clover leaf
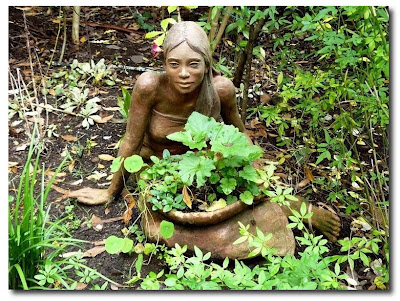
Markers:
(195, 166)
(198, 130)
(228, 185)
(249, 173)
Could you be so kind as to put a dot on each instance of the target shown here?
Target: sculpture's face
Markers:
(185, 68)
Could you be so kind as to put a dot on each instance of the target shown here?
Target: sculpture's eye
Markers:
(174, 64)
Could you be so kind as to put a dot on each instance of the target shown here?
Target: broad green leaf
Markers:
(133, 163)
(198, 130)
(196, 167)
(167, 229)
(170, 281)
(246, 197)
(127, 246)
(249, 173)
(228, 185)
(187, 139)
(148, 248)
(116, 164)
(114, 244)
(230, 142)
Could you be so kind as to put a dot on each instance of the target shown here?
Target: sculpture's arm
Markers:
(143, 99)
(229, 109)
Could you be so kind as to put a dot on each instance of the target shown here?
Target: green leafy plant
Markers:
(34, 241)
(124, 102)
(114, 244)
(220, 168)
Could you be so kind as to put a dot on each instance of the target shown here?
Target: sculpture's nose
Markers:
(184, 73)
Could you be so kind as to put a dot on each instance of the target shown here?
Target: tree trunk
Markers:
(221, 29)
(253, 35)
(249, 52)
(76, 11)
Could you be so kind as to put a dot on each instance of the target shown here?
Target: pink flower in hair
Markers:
(156, 50)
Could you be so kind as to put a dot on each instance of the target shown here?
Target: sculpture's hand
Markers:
(91, 196)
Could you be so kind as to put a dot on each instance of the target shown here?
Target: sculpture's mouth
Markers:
(184, 85)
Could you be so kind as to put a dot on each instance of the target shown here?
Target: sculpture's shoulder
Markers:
(225, 88)
(148, 83)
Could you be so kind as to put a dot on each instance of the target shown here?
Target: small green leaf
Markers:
(246, 197)
(116, 164)
(280, 78)
(133, 163)
(167, 229)
(139, 263)
(164, 23)
(171, 9)
(240, 240)
(303, 209)
(198, 252)
(114, 244)
(148, 248)
(152, 34)
(127, 246)
(228, 185)
(160, 40)
(249, 173)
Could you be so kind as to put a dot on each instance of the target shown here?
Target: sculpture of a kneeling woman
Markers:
(161, 104)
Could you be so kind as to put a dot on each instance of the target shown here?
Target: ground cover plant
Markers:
(313, 87)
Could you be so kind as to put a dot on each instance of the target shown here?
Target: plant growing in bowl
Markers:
(209, 184)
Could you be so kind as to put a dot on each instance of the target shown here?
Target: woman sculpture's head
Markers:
(195, 38)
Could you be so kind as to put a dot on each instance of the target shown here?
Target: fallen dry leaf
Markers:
(12, 164)
(71, 166)
(95, 220)
(111, 108)
(81, 286)
(308, 173)
(106, 157)
(303, 183)
(265, 98)
(103, 119)
(50, 173)
(69, 138)
(128, 212)
(93, 252)
(96, 176)
(186, 197)
(22, 147)
(13, 169)
(65, 193)
(216, 205)
(77, 182)
(113, 287)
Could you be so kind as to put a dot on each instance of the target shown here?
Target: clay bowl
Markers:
(208, 218)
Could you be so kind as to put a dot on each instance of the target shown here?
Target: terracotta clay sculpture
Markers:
(161, 105)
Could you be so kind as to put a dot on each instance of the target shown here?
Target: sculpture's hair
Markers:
(191, 33)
